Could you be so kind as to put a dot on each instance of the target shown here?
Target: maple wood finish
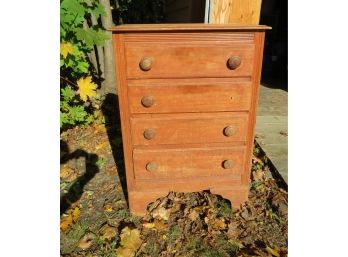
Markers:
(188, 96)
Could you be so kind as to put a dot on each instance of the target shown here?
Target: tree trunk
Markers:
(109, 84)
(92, 55)
(99, 52)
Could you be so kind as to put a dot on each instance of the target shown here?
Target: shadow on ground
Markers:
(76, 189)
(110, 109)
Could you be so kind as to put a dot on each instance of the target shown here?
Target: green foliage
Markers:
(225, 208)
(71, 112)
(77, 41)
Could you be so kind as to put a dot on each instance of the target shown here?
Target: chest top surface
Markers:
(186, 27)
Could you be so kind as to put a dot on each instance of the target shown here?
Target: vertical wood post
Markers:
(235, 11)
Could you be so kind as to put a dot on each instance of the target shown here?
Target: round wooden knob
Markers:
(227, 164)
(151, 166)
(229, 131)
(149, 134)
(147, 101)
(234, 62)
(146, 63)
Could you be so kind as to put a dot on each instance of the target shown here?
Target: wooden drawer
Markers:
(168, 60)
(188, 162)
(186, 128)
(185, 95)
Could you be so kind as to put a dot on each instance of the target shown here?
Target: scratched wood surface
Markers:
(195, 95)
(183, 128)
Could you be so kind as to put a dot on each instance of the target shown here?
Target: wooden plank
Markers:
(169, 27)
(235, 11)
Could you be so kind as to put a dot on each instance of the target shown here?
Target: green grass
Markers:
(225, 209)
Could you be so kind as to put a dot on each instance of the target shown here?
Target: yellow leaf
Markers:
(75, 214)
(149, 225)
(66, 222)
(64, 172)
(130, 238)
(86, 88)
(272, 251)
(124, 252)
(66, 48)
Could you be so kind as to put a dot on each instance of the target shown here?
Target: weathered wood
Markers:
(198, 117)
(193, 59)
(188, 128)
(178, 163)
(185, 95)
(235, 11)
(139, 28)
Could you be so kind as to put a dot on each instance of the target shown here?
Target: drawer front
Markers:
(185, 163)
(180, 95)
(186, 128)
(159, 60)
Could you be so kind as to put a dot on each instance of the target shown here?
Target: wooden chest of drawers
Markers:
(188, 96)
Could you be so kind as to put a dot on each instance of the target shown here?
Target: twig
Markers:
(68, 81)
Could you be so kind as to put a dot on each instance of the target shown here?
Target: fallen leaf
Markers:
(66, 48)
(193, 215)
(149, 225)
(160, 225)
(124, 252)
(85, 242)
(218, 224)
(86, 88)
(64, 172)
(130, 238)
(66, 222)
(272, 251)
(130, 242)
(161, 213)
(258, 175)
(75, 214)
(108, 207)
(108, 232)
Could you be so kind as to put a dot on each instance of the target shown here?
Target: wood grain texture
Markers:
(194, 95)
(185, 128)
(257, 67)
(172, 27)
(187, 60)
(200, 95)
(242, 37)
(124, 108)
(236, 12)
(193, 163)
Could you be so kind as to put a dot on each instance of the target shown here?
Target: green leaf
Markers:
(67, 93)
(97, 10)
(91, 36)
(72, 6)
(63, 119)
(82, 66)
(78, 113)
